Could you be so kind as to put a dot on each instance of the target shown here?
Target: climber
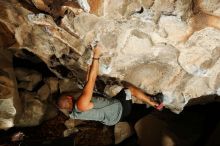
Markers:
(106, 111)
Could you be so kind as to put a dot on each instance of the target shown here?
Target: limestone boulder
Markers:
(202, 55)
(33, 108)
(151, 56)
(152, 136)
(44, 92)
(69, 85)
(122, 131)
(51, 111)
(72, 123)
(53, 84)
(27, 79)
(10, 103)
(168, 129)
(211, 6)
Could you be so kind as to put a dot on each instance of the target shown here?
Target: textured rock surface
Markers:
(160, 46)
(9, 100)
(44, 92)
(169, 129)
(27, 78)
(122, 131)
(33, 110)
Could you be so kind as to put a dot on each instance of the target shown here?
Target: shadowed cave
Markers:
(169, 47)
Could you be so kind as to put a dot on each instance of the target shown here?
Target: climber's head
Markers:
(65, 102)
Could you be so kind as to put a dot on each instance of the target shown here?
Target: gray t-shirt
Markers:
(106, 111)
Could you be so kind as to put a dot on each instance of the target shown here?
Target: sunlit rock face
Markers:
(165, 46)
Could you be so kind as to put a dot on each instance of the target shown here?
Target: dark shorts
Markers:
(126, 104)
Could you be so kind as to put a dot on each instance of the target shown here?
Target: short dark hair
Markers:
(58, 96)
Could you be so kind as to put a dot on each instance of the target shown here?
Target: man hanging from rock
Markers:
(107, 111)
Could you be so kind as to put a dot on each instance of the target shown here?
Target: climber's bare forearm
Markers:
(140, 95)
(84, 101)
